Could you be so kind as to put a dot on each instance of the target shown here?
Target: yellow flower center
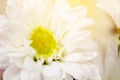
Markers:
(44, 43)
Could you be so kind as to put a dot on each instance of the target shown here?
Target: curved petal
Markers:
(52, 72)
(112, 8)
(85, 71)
(12, 73)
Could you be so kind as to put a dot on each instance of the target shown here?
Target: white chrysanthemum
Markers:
(42, 40)
(112, 8)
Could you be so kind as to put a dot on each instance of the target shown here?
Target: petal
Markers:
(31, 70)
(14, 11)
(73, 20)
(111, 57)
(12, 73)
(79, 42)
(31, 65)
(2, 17)
(4, 59)
(75, 37)
(79, 56)
(59, 16)
(30, 13)
(78, 24)
(62, 8)
(85, 71)
(4, 62)
(26, 75)
(37, 12)
(112, 8)
(52, 72)
(116, 72)
(13, 32)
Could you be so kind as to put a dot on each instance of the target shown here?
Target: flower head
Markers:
(46, 40)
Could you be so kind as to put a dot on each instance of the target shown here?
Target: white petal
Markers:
(13, 32)
(59, 17)
(79, 56)
(82, 23)
(26, 75)
(12, 73)
(61, 8)
(4, 59)
(4, 62)
(2, 17)
(80, 11)
(111, 57)
(71, 21)
(74, 16)
(75, 38)
(81, 71)
(79, 24)
(14, 11)
(31, 70)
(116, 72)
(112, 8)
(52, 72)
(78, 41)
(75, 34)
(37, 12)
(31, 65)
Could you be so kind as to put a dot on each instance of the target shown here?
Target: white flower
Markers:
(107, 59)
(112, 8)
(43, 40)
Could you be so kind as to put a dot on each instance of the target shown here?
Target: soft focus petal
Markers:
(12, 73)
(111, 58)
(112, 8)
(116, 72)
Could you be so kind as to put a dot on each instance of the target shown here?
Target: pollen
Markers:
(44, 42)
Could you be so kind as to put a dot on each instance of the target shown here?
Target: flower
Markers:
(107, 59)
(112, 8)
(46, 40)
